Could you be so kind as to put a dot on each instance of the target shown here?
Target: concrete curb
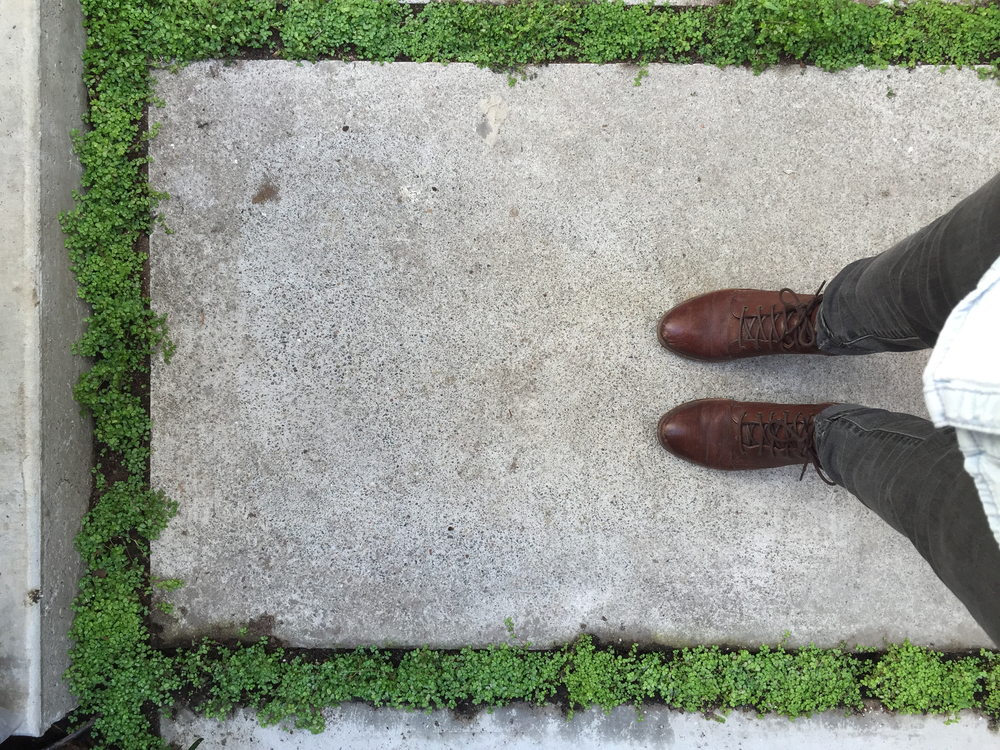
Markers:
(45, 446)
(522, 727)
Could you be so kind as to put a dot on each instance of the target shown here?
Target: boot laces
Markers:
(791, 327)
(792, 438)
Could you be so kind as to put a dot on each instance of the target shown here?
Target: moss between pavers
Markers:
(117, 674)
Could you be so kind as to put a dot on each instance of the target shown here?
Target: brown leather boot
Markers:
(736, 323)
(732, 435)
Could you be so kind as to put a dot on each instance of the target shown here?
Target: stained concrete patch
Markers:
(494, 111)
(418, 394)
(268, 192)
(521, 727)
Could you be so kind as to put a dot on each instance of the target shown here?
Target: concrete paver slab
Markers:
(417, 378)
(526, 728)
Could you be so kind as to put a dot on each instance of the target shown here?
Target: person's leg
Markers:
(911, 474)
(896, 301)
(899, 300)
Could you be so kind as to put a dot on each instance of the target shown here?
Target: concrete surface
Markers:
(417, 378)
(523, 727)
(67, 442)
(45, 446)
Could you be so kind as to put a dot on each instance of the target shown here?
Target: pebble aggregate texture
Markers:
(417, 378)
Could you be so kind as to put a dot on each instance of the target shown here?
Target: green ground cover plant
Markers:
(117, 674)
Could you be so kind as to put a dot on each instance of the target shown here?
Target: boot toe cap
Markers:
(671, 329)
(698, 328)
(683, 432)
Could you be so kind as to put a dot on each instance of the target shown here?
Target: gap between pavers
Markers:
(417, 379)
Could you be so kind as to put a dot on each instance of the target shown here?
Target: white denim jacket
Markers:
(962, 387)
